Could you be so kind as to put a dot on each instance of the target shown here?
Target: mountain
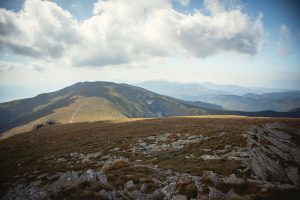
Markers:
(277, 101)
(229, 97)
(192, 91)
(91, 101)
(296, 110)
(185, 91)
(98, 101)
(240, 90)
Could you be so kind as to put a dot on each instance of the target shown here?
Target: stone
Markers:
(209, 157)
(48, 122)
(187, 187)
(157, 194)
(180, 197)
(135, 195)
(272, 151)
(169, 189)
(232, 195)
(25, 191)
(89, 175)
(293, 174)
(213, 177)
(232, 179)
(215, 194)
(129, 184)
(102, 177)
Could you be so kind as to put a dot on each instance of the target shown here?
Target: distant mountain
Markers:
(191, 91)
(295, 110)
(230, 97)
(277, 101)
(185, 91)
(91, 101)
(240, 90)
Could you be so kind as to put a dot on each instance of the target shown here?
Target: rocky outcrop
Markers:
(274, 153)
(48, 122)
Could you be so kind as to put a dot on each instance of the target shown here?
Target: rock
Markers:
(232, 179)
(198, 183)
(129, 184)
(187, 187)
(215, 194)
(102, 177)
(136, 195)
(169, 190)
(65, 179)
(144, 188)
(157, 194)
(212, 177)
(274, 153)
(89, 175)
(209, 157)
(179, 197)
(24, 191)
(293, 174)
(48, 122)
(232, 195)
(68, 176)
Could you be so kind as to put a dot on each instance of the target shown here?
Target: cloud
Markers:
(284, 43)
(132, 31)
(40, 29)
(183, 3)
(9, 66)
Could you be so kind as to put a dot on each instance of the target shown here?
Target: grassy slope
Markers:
(89, 109)
(22, 155)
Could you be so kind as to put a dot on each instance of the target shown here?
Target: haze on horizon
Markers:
(48, 45)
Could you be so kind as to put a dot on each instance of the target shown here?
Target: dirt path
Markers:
(75, 112)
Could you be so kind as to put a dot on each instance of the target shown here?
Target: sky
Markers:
(48, 45)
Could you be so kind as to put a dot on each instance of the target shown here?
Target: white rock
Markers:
(209, 157)
(129, 184)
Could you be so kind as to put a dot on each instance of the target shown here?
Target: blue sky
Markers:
(48, 45)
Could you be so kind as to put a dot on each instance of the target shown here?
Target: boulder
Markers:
(48, 122)
(274, 153)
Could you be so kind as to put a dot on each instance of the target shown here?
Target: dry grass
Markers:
(22, 155)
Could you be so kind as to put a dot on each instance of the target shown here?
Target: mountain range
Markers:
(229, 97)
(98, 101)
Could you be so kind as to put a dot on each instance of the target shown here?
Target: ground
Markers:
(191, 145)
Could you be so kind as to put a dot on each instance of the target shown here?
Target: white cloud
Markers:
(285, 43)
(41, 29)
(127, 32)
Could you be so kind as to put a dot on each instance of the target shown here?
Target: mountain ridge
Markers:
(229, 97)
(99, 101)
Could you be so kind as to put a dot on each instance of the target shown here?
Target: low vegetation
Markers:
(81, 146)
